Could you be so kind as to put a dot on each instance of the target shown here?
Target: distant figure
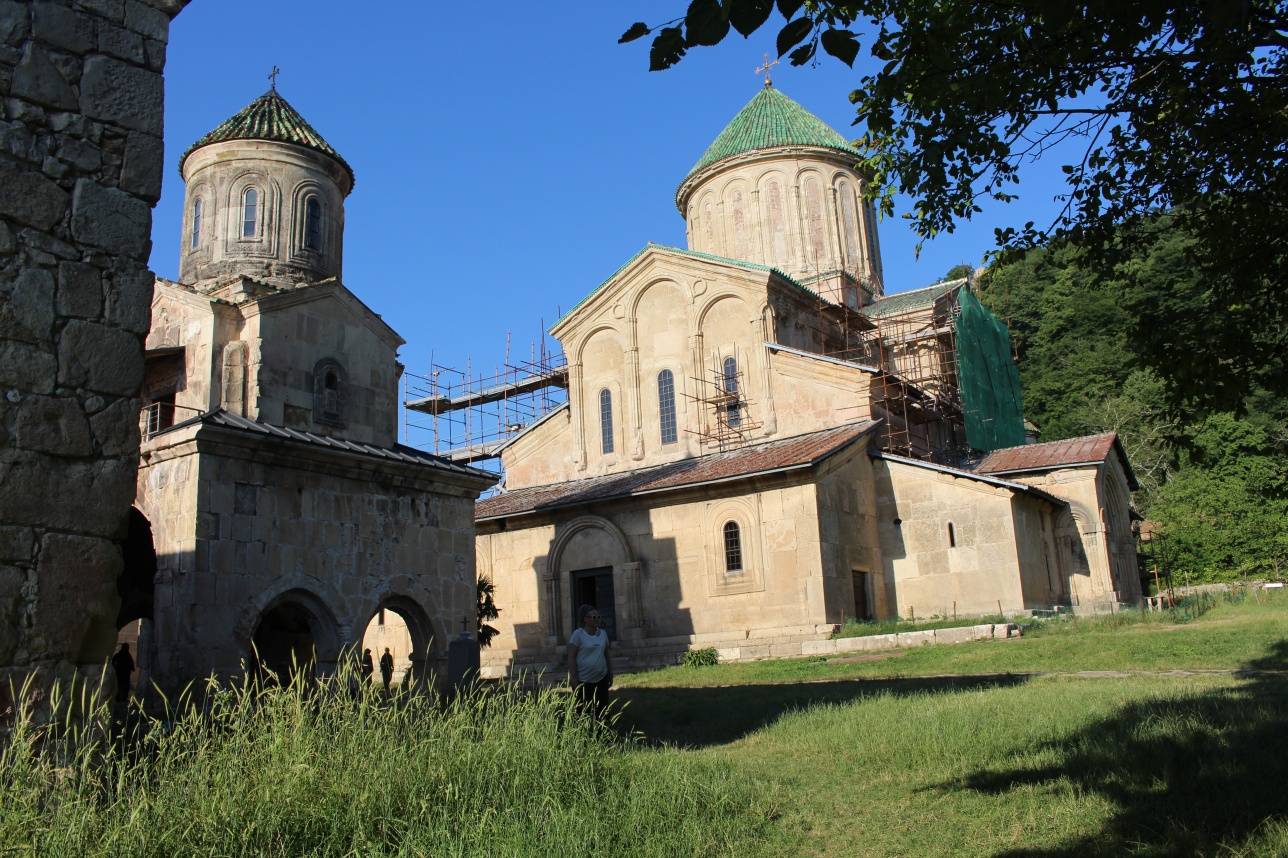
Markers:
(368, 667)
(588, 668)
(387, 667)
(123, 665)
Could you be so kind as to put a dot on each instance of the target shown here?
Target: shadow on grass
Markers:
(1191, 775)
(698, 717)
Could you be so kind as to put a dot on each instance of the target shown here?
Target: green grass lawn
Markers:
(1014, 748)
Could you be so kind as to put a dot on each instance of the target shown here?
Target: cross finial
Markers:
(764, 69)
(272, 77)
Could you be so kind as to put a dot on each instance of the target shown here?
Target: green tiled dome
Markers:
(770, 120)
(269, 117)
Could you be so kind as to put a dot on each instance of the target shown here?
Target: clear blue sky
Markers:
(504, 167)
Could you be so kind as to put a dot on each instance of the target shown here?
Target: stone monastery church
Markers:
(759, 444)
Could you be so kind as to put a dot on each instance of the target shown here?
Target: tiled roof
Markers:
(1088, 449)
(693, 254)
(801, 451)
(768, 121)
(396, 453)
(905, 302)
(269, 117)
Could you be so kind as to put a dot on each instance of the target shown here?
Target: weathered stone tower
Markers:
(779, 187)
(264, 198)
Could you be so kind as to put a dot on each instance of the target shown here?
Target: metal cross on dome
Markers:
(764, 69)
(272, 76)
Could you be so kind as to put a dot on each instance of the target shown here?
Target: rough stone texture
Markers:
(81, 93)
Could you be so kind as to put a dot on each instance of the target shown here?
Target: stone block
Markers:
(30, 198)
(13, 22)
(113, 10)
(37, 79)
(28, 312)
(910, 639)
(17, 544)
(148, 20)
(12, 580)
(154, 52)
(141, 172)
(81, 154)
(6, 239)
(728, 654)
(963, 634)
(26, 367)
(53, 424)
(753, 652)
(80, 290)
(111, 219)
(121, 94)
(100, 358)
(825, 647)
(788, 649)
(116, 428)
(57, 25)
(121, 43)
(129, 300)
(76, 598)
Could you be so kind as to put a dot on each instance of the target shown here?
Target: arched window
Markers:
(313, 224)
(666, 405)
(732, 548)
(729, 380)
(952, 536)
(250, 213)
(606, 420)
(196, 223)
(328, 392)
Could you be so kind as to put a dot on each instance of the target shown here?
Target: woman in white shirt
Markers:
(588, 669)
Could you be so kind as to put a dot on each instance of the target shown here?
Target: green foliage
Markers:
(316, 770)
(960, 270)
(705, 657)
(1153, 106)
(487, 610)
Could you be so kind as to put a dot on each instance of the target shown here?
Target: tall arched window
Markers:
(606, 420)
(666, 405)
(952, 536)
(250, 213)
(196, 223)
(732, 548)
(313, 224)
(729, 380)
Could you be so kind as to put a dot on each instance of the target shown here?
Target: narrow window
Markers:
(196, 223)
(250, 212)
(733, 409)
(666, 405)
(732, 547)
(606, 420)
(313, 224)
(952, 536)
(331, 393)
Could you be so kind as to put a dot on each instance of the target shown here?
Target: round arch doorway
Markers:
(403, 628)
(295, 636)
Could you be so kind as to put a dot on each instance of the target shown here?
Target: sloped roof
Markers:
(914, 299)
(798, 452)
(1085, 450)
(768, 121)
(396, 453)
(269, 117)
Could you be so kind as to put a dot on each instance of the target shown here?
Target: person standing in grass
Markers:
(387, 667)
(588, 669)
(368, 666)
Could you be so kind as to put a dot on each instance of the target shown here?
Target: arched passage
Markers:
(136, 586)
(402, 626)
(295, 633)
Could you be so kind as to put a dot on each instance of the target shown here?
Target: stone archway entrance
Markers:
(295, 635)
(403, 626)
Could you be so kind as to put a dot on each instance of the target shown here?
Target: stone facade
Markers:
(80, 168)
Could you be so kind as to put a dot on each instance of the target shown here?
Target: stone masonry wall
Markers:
(80, 168)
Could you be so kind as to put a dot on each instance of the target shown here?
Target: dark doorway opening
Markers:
(284, 643)
(862, 604)
(594, 587)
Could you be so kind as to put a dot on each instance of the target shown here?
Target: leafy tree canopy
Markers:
(1166, 105)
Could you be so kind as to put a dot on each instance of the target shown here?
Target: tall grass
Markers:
(309, 770)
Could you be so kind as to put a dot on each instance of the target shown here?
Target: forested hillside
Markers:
(1216, 482)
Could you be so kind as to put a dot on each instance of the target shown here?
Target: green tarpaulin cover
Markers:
(988, 378)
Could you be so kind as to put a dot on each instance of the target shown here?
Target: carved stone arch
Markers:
(589, 335)
(711, 301)
(626, 577)
(564, 534)
(300, 195)
(330, 392)
(656, 280)
(428, 637)
(316, 598)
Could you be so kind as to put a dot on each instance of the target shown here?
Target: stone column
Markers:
(578, 417)
(80, 168)
(631, 398)
(631, 615)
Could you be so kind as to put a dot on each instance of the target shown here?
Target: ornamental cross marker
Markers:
(764, 69)
(272, 77)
